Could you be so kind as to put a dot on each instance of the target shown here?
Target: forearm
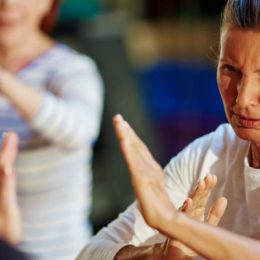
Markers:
(76, 124)
(49, 114)
(25, 99)
(143, 252)
(212, 242)
(155, 252)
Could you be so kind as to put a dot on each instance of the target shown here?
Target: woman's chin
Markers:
(248, 134)
(11, 38)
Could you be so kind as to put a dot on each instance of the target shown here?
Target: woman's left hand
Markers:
(195, 207)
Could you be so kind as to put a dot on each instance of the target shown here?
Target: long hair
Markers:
(50, 19)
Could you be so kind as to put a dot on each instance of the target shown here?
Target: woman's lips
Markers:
(7, 22)
(247, 122)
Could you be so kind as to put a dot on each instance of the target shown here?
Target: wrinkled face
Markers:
(238, 78)
(20, 18)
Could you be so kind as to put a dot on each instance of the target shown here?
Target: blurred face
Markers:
(238, 78)
(20, 19)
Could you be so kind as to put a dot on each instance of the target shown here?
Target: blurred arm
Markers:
(71, 118)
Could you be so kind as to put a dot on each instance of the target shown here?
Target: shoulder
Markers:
(218, 144)
(63, 57)
(64, 66)
(218, 141)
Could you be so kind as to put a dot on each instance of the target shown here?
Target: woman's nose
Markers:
(248, 93)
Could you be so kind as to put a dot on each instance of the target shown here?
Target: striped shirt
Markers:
(54, 163)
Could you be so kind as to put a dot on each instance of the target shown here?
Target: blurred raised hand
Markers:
(10, 221)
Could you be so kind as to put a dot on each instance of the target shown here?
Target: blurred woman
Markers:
(52, 97)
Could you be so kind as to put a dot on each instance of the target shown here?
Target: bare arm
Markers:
(158, 211)
(220, 243)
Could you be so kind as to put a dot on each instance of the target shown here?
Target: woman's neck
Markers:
(254, 156)
(14, 57)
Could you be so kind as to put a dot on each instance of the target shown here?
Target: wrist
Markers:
(176, 253)
(171, 224)
(187, 251)
(131, 252)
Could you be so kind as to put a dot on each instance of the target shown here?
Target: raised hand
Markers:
(10, 222)
(147, 176)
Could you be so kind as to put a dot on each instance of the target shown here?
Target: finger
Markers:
(129, 141)
(119, 126)
(187, 206)
(197, 194)
(8, 191)
(124, 129)
(206, 186)
(9, 149)
(8, 155)
(203, 189)
(210, 181)
(217, 211)
(123, 136)
(125, 139)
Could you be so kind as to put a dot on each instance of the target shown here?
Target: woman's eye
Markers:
(230, 69)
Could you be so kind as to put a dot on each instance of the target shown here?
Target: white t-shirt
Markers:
(220, 153)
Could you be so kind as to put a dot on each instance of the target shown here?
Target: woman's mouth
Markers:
(247, 122)
(8, 21)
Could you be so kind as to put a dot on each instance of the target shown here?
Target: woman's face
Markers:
(20, 19)
(238, 78)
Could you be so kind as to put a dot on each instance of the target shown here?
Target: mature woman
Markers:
(52, 97)
(231, 153)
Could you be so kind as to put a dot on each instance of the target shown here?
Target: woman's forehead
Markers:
(240, 45)
(237, 38)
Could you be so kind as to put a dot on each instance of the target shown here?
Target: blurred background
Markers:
(158, 61)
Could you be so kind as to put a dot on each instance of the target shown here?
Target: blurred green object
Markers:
(77, 10)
